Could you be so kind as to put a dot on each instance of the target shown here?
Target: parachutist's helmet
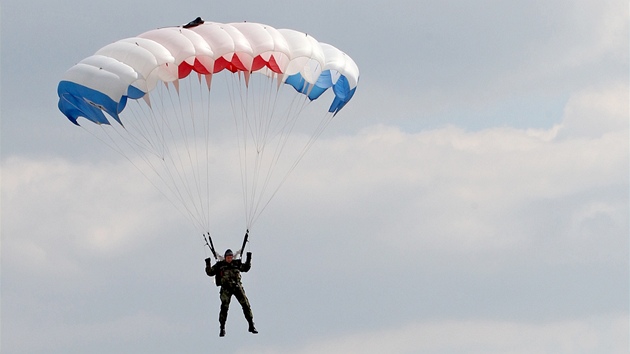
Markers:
(228, 252)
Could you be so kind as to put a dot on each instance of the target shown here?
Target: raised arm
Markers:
(248, 263)
(210, 270)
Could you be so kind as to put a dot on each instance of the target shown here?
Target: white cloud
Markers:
(598, 335)
(57, 212)
(593, 112)
(95, 337)
(455, 191)
(446, 190)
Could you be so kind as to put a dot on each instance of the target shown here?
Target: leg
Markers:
(239, 293)
(225, 295)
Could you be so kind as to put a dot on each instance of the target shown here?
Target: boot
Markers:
(222, 331)
(252, 329)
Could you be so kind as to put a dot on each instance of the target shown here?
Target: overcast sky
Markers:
(471, 198)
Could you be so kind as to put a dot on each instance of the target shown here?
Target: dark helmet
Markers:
(228, 252)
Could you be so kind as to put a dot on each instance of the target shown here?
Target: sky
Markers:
(473, 197)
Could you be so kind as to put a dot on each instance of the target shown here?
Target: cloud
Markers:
(60, 212)
(450, 190)
(128, 330)
(460, 65)
(606, 334)
(594, 112)
(446, 191)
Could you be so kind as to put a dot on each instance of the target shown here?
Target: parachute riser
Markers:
(210, 245)
(245, 239)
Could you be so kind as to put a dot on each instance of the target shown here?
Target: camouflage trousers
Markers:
(225, 294)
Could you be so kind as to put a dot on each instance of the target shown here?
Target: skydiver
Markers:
(227, 273)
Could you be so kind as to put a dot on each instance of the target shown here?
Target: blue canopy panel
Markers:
(323, 83)
(341, 88)
(343, 94)
(76, 101)
(299, 84)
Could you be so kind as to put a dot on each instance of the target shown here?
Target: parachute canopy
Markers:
(166, 90)
(132, 67)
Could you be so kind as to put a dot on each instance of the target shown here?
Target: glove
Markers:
(249, 257)
(208, 262)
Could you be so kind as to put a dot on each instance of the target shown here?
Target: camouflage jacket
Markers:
(228, 274)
